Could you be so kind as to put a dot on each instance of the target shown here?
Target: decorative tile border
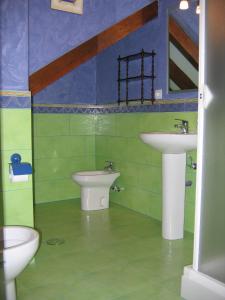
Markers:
(15, 102)
(15, 93)
(158, 106)
(15, 99)
(62, 110)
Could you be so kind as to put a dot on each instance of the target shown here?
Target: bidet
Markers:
(95, 187)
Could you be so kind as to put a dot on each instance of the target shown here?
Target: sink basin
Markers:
(18, 245)
(170, 142)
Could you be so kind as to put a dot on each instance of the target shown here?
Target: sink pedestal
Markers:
(173, 147)
(173, 169)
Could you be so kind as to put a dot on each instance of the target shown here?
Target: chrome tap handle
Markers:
(184, 126)
(109, 162)
(109, 165)
(184, 122)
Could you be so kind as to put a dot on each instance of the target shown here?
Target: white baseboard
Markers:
(198, 286)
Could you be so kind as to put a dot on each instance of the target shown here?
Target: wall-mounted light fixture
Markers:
(184, 4)
(198, 8)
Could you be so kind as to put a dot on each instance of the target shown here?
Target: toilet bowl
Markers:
(95, 187)
(18, 246)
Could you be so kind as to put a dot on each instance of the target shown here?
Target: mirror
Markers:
(183, 44)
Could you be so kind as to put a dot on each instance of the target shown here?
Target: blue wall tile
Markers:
(172, 107)
(78, 86)
(191, 106)
(95, 82)
(153, 36)
(125, 7)
(53, 32)
(14, 44)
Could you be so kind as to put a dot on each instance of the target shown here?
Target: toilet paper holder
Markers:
(19, 171)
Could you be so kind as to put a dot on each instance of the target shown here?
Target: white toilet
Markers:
(95, 187)
(18, 246)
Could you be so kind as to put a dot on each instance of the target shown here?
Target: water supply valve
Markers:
(116, 188)
(191, 164)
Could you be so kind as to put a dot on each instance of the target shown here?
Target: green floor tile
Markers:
(113, 254)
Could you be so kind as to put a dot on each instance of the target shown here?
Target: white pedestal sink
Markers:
(173, 147)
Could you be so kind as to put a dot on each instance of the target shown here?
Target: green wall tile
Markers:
(54, 146)
(68, 147)
(151, 122)
(18, 207)
(166, 121)
(54, 190)
(139, 152)
(53, 125)
(150, 178)
(127, 125)
(102, 146)
(191, 190)
(189, 216)
(88, 163)
(117, 148)
(129, 173)
(82, 124)
(134, 150)
(100, 162)
(82, 145)
(190, 193)
(15, 129)
(89, 145)
(56, 168)
(105, 125)
(156, 206)
(133, 198)
(63, 146)
(16, 137)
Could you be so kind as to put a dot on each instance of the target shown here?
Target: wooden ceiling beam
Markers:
(79, 55)
(180, 78)
(183, 42)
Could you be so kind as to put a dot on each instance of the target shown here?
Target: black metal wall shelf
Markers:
(136, 56)
(135, 78)
(142, 77)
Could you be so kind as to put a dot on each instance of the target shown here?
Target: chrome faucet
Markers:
(183, 125)
(109, 167)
